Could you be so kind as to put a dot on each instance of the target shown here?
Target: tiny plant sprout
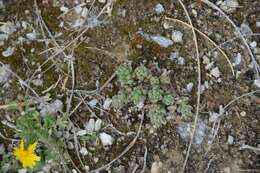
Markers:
(155, 95)
(124, 74)
(141, 72)
(119, 100)
(137, 95)
(165, 77)
(157, 115)
(154, 81)
(185, 109)
(168, 100)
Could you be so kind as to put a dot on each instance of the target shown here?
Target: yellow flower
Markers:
(27, 157)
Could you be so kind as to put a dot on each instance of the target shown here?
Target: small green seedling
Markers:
(157, 115)
(124, 73)
(141, 72)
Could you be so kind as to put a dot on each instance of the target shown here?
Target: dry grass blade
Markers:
(198, 87)
(205, 36)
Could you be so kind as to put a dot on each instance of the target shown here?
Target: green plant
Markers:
(138, 95)
(154, 81)
(145, 89)
(155, 95)
(184, 109)
(141, 72)
(124, 74)
(165, 78)
(168, 100)
(157, 115)
(34, 128)
(119, 100)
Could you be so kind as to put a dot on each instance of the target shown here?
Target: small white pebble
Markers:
(93, 103)
(181, 61)
(230, 139)
(90, 125)
(238, 59)
(243, 114)
(174, 55)
(22, 170)
(156, 167)
(8, 52)
(189, 87)
(64, 9)
(81, 132)
(83, 151)
(257, 83)
(159, 9)
(258, 24)
(31, 35)
(107, 103)
(98, 125)
(253, 44)
(215, 72)
(177, 36)
(102, 1)
(74, 171)
(106, 139)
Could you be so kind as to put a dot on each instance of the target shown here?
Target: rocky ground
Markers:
(68, 64)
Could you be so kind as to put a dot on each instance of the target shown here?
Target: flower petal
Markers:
(32, 147)
(22, 145)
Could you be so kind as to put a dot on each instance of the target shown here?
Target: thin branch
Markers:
(198, 87)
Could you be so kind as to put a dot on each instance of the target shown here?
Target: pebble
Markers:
(238, 59)
(230, 139)
(70, 145)
(81, 132)
(245, 29)
(31, 35)
(253, 44)
(162, 41)
(258, 24)
(22, 170)
(174, 55)
(37, 82)
(177, 36)
(156, 167)
(83, 151)
(215, 72)
(159, 9)
(90, 126)
(184, 130)
(98, 125)
(229, 6)
(93, 103)
(243, 114)
(8, 52)
(257, 82)
(102, 1)
(107, 103)
(106, 139)
(4, 74)
(8, 28)
(189, 87)
(181, 61)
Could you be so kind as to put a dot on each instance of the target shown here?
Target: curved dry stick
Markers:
(239, 33)
(234, 38)
(205, 36)
(199, 87)
(130, 145)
